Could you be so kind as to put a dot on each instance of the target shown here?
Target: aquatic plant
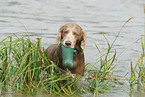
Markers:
(137, 72)
(99, 78)
(24, 68)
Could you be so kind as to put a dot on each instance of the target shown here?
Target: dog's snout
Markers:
(68, 43)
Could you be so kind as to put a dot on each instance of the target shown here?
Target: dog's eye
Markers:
(75, 33)
(65, 32)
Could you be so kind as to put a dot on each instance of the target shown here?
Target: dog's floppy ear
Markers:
(83, 42)
(59, 34)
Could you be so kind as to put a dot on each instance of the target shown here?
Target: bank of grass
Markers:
(24, 69)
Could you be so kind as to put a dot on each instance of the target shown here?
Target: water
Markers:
(43, 18)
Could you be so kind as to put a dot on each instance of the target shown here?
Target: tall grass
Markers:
(107, 62)
(24, 68)
(137, 72)
(99, 78)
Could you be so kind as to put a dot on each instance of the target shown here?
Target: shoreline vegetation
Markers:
(21, 71)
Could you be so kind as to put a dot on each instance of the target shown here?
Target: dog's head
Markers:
(73, 36)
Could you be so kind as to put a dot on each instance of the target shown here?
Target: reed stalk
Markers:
(24, 68)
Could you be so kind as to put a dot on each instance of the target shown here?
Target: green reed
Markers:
(99, 78)
(24, 68)
(137, 72)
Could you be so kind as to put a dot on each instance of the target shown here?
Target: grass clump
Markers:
(24, 68)
(137, 72)
(100, 78)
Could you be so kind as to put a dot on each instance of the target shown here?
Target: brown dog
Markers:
(73, 36)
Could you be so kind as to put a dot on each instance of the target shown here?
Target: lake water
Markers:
(43, 18)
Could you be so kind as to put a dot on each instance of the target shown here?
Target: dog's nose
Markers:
(68, 43)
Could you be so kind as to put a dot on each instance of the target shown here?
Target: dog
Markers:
(73, 36)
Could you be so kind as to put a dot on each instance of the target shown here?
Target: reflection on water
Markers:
(42, 18)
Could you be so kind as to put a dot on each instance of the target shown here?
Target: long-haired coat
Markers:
(73, 36)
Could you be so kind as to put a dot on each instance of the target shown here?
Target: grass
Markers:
(24, 69)
(20, 69)
(137, 72)
(100, 79)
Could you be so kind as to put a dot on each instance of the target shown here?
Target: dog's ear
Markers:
(83, 42)
(59, 34)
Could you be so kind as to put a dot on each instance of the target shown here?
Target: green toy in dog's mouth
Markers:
(67, 55)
